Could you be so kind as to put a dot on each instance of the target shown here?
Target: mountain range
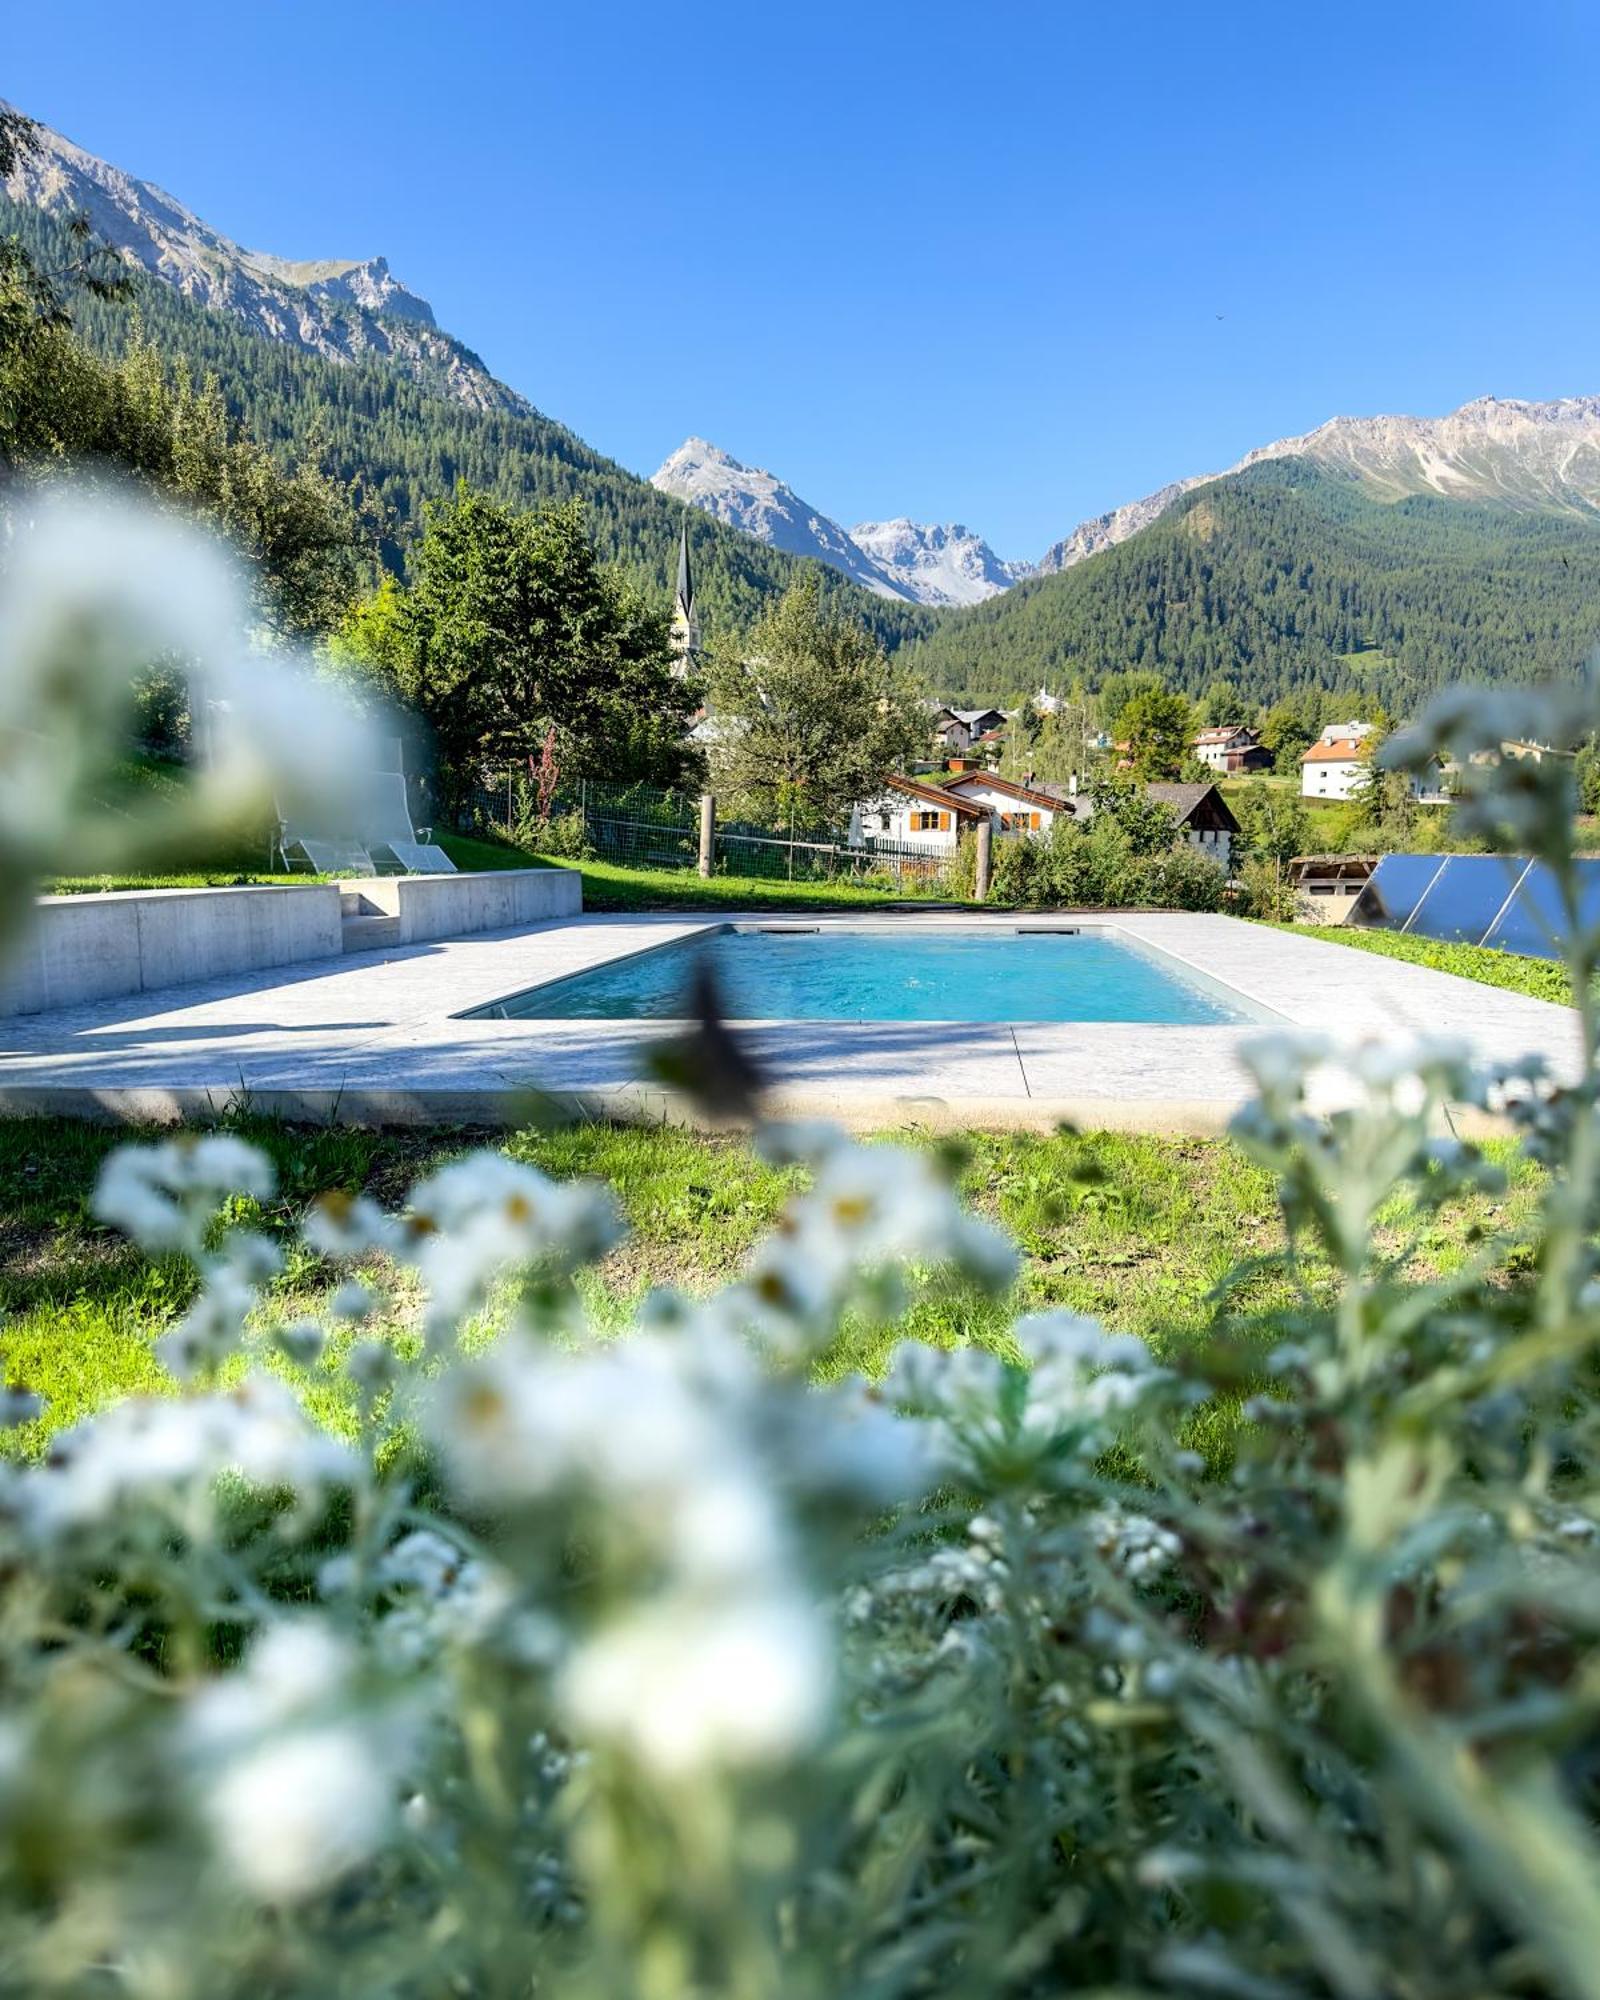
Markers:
(338, 358)
(922, 563)
(1385, 556)
(1539, 457)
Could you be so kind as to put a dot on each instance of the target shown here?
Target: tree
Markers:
(1273, 823)
(811, 716)
(1586, 776)
(1157, 727)
(511, 626)
(1147, 826)
(1291, 726)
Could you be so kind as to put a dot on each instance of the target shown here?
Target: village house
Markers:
(1013, 807)
(1204, 817)
(1337, 763)
(956, 729)
(1232, 748)
(1334, 765)
(910, 813)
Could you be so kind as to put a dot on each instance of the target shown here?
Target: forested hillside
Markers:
(374, 425)
(1284, 577)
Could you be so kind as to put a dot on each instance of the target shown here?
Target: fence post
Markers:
(708, 832)
(510, 779)
(980, 886)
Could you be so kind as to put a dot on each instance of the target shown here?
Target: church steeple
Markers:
(685, 618)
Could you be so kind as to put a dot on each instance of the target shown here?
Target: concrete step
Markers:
(364, 933)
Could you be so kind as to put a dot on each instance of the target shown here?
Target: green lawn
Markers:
(1536, 976)
(606, 886)
(1137, 1231)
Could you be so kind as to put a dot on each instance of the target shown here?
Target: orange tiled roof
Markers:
(1342, 750)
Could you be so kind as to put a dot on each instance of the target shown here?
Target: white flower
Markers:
(97, 587)
(147, 1445)
(341, 1225)
(352, 1300)
(302, 1340)
(19, 1406)
(1139, 1547)
(163, 1195)
(292, 1815)
(804, 1142)
(683, 1686)
(485, 1214)
(212, 1327)
(293, 1778)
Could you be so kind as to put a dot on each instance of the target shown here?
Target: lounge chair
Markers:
(391, 831)
(326, 854)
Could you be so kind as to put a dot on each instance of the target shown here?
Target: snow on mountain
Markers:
(759, 504)
(939, 563)
(341, 308)
(907, 559)
(1538, 457)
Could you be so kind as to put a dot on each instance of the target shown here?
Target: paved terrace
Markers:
(374, 1038)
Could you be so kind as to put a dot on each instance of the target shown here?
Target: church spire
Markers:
(685, 618)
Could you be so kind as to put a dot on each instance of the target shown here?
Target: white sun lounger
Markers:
(392, 831)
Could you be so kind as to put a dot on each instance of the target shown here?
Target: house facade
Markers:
(909, 813)
(956, 729)
(1337, 764)
(1332, 768)
(1012, 807)
(1205, 819)
(1232, 748)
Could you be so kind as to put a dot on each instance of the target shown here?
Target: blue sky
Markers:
(1006, 264)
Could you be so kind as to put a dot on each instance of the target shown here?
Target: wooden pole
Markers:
(708, 832)
(980, 887)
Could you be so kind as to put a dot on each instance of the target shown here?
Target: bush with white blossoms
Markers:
(641, 1666)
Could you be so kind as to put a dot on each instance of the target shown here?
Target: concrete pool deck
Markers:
(377, 1038)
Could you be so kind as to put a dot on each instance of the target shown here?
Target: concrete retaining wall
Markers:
(96, 947)
(441, 906)
(93, 947)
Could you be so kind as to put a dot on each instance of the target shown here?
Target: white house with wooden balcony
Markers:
(912, 814)
(1012, 807)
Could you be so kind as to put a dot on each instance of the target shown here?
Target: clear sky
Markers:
(1007, 264)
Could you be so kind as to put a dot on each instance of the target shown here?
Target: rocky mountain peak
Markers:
(344, 309)
(920, 562)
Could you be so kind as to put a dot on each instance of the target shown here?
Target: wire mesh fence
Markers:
(643, 826)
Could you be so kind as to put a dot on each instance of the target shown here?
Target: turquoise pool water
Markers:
(790, 974)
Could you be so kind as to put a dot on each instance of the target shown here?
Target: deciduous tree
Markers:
(810, 715)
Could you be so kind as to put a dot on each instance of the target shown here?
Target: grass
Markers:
(1137, 1231)
(606, 885)
(1541, 978)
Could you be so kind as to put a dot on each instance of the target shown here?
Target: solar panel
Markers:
(1466, 896)
(1535, 921)
(1394, 889)
(1501, 900)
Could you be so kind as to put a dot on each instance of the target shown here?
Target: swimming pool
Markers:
(788, 972)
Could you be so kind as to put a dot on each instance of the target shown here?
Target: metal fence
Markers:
(642, 826)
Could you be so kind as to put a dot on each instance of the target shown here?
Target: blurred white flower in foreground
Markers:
(292, 1775)
(101, 587)
(146, 1446)
(684, 1686)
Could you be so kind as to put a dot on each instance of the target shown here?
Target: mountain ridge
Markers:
(931, 563)
(1541, 457)
(340, 308)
